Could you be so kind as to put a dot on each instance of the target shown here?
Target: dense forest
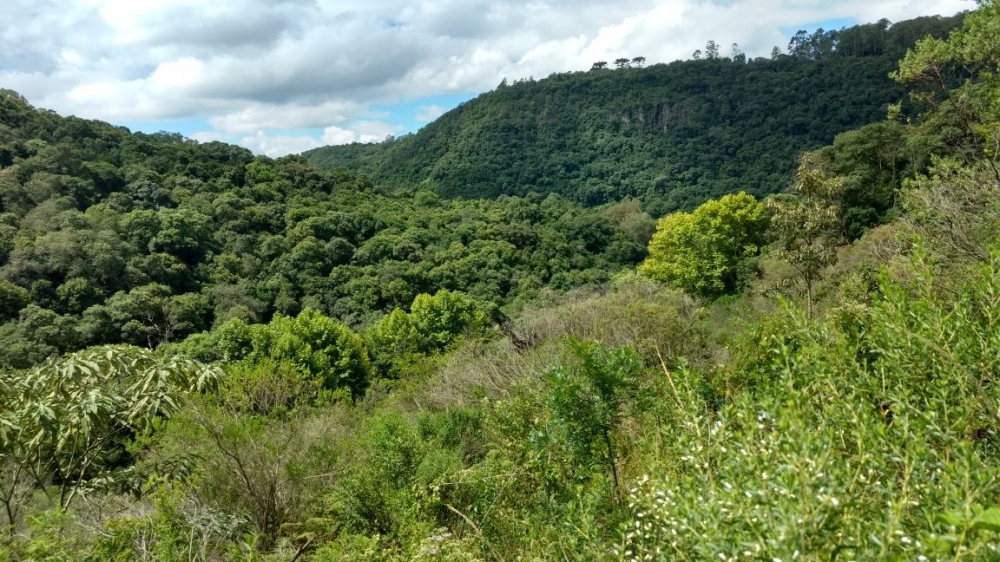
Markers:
(673, 135)
(113, 237)
(214, 356)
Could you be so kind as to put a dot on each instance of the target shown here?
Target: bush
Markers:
(320, 346)
(871, 437)
(435, 323)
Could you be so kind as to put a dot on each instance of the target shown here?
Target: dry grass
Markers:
(637, 313)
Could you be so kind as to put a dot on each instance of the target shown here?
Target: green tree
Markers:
(703, 252)
(12, 299)
(317, 344)
(442, 318)
(60, 422)
(151, 314)
(434, 323)
(970, 55)
(183, 233)
(78, 294)
(587, 395)
(711, 50)
(392, 342)
(808, 227)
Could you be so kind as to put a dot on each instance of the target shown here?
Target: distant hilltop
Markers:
(672, 135)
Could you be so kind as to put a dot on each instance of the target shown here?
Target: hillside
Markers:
(108, 236)
(315, 368)
(673, 135)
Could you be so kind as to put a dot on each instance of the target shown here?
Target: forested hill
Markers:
(108, 236)
(778, 379)
(673, 135)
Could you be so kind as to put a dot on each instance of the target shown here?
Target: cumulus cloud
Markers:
(430, 112)
(208, 136)
(257, 116)
(254, 66)
(337, 136)
(279, 145)
(362, 131)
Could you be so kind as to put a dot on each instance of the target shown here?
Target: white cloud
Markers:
(276, 145)
(374, 131)
(337, 136)
(256, 116)
(279, 145)
(254, 66)
(430, 112)
(362, 131)
(208, 136)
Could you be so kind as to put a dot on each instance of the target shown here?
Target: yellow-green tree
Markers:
(434, 323)
(706, 252)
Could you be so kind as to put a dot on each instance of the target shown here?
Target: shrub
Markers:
(320, 346)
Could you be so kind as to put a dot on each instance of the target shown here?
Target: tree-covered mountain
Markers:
(112, 237)
(672, 135)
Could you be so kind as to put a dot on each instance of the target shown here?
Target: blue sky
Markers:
(284, 76)
(811, 27)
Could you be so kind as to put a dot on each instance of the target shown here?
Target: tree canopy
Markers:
(673, 135)
(705, 252)
(108, 237)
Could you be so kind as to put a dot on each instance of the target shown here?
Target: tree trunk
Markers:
(611, 461)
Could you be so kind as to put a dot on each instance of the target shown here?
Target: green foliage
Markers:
(64, 423)
(443, 317)
(259, 470)
(12, 300)
(808, 228)
(673, 135)
(955, 208)
(873, 163)
(50, 535)
(705, 252)
(664, 429)
(172, 529)
(867, 437)
(268, 387)
(148, 239)
(434, 323)
(969, 57)
(392, 341)
(318, 345)
(587, 395)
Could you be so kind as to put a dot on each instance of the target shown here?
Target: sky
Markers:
(284, 76)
